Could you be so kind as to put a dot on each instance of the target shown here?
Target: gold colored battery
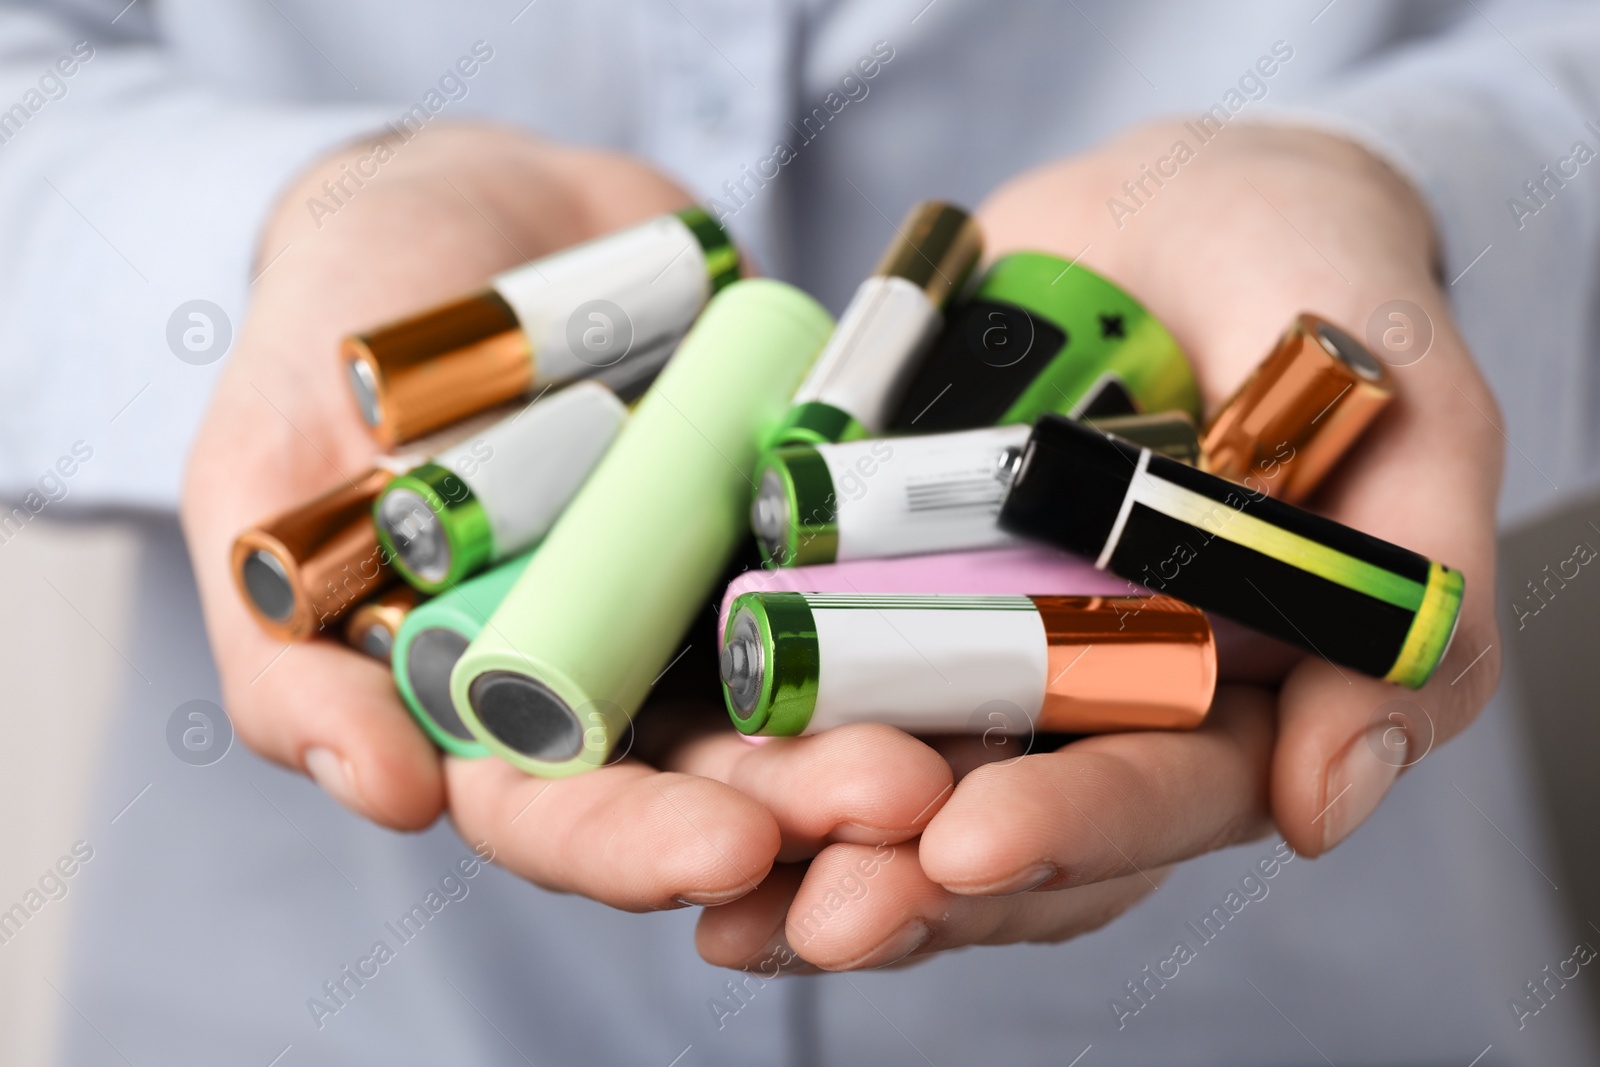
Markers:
(304, 569)
(1299, 412)
(440, 366)
(372, 626)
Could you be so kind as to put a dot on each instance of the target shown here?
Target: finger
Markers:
(331, 713)
(626, 835)
(861, 907)
(865, 782)
(1345, 738)
(1106, 807)
(748, 933)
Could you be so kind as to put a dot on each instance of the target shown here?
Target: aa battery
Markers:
(858, 380)
(302, 570)
(1349, 597)
(490, 497)
(431, 640)
(1299, 412)
(372, 626)
(570, 655)
(1041, 334)
(885, 497)
(612, 308)
(798, 663)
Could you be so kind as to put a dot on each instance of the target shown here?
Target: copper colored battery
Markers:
(799, 663)
(1299, 412)
(440, 366)
(373, 625)
(1125, 663)
(300, 571)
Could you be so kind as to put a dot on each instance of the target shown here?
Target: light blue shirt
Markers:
(135, 172)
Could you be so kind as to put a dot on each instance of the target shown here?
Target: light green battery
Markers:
(430, 642)
(556, 676)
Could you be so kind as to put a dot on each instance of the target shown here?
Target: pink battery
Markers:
(1024, 570)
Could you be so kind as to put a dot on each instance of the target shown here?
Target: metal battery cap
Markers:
(792, 514)
(434, 526)
(770, 664)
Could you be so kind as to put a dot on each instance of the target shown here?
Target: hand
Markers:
(447, 211)
(1262, 224)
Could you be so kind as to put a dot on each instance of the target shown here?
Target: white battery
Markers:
(927, 669)
(909, 496)
(630, 295)
(868, 361)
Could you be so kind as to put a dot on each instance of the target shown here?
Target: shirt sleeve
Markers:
(126, 194)
(1498, 125)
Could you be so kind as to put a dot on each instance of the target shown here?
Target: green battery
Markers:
(429, 642)
(570, 655)
(1043, 335)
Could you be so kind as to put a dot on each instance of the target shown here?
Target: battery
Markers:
(569, 656)
(1351, 598)
(799, 663)
(1299, 412)
(494, 495)
(907, 496)
(1042, 334)
(611, 308)
(372, 626)
(432, 639)
(302, 570)
(858, 381)
(898, 496)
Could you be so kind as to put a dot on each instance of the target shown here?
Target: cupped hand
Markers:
(1261, 224)
(447, 211)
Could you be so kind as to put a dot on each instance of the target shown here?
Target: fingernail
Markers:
(1021, 882)
(903, 943)
(335, 778)
(711, 900)
(856, 833)
(777, 957)
(1358, 781)
(755, 739)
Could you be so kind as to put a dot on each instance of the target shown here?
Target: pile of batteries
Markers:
(981, 506)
